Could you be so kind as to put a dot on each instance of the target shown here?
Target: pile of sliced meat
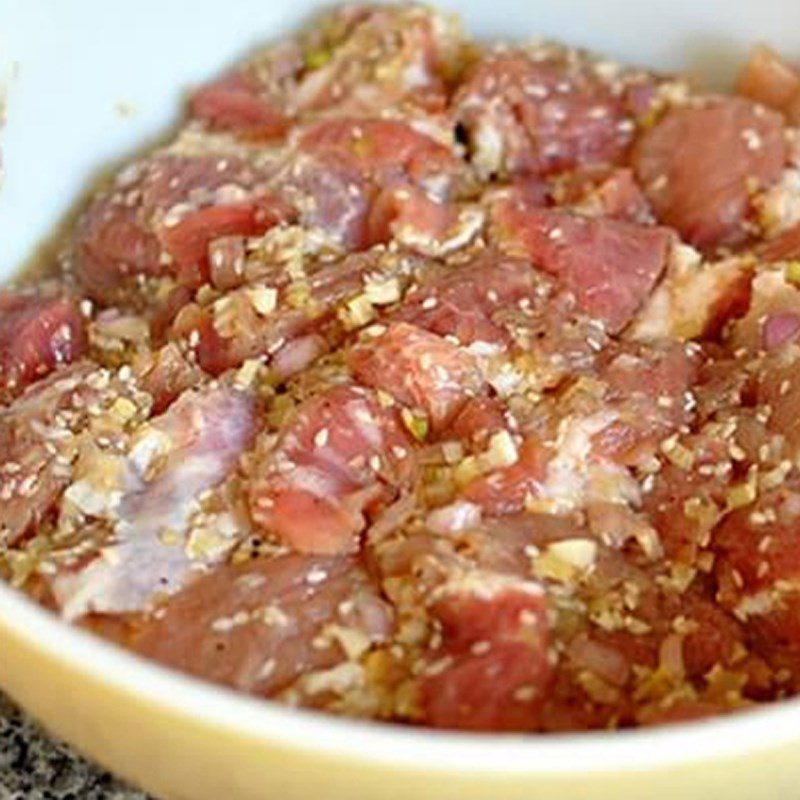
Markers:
(428, 381)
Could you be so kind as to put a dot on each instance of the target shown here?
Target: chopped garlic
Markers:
(92, 501)
(357, 312)
(581, 553)
(564, 561)
(680, 456)
(123, 409)
(264, 299)
(416, 423)
(467, 470)
(792, 272)
(150, 446)
(207, 543)
(742, 494)
(247, 374)
(338, 680)
(502, 451)
(353, 641)
(453, 452)
(381, 292)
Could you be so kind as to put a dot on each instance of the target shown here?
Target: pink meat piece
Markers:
(200, 439)
(700, 164)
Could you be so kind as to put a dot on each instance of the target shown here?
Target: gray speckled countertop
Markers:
(34, 767)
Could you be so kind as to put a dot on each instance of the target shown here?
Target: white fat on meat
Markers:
(575, 476)
(174, 459)
(683, 304)
(468, 225)
(454, 517)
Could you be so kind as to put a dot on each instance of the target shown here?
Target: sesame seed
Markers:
(316, 575)
(524, 694)
(751, 139)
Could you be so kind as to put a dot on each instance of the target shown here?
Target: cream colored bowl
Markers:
(87, 81)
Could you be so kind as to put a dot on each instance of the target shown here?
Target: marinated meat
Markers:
(429, 381)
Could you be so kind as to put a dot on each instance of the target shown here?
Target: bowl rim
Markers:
(401, 747)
